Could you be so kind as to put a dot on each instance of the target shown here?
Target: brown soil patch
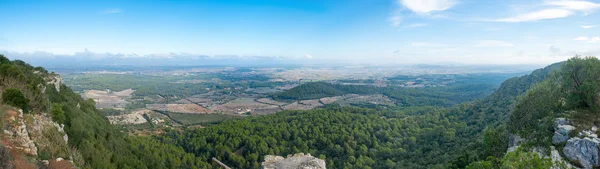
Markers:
(124, 93)
(104, 99)
(11, 113)
(19, 161)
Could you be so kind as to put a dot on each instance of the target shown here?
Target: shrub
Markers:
(14, 97)
(58, 115)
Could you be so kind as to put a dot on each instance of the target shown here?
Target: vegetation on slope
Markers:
(346, 137)
(393, 137)
(91, 137)
(571, 91)
(415, 135)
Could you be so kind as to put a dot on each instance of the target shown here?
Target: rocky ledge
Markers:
(296, 161)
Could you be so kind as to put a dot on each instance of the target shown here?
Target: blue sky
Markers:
(352, 31)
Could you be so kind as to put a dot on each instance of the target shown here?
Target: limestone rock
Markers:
(513, 142)
(557, 159)
(296, 161)
(561, 131)
(559, 138)
(585, 151)
(561, 121)
(18, 133)
(565, 129)
(56, 80)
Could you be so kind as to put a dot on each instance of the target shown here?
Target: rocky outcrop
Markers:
(561, 134)
(513, 142)
(559, 162)
(42, 123)
(56, 80)
(18, 133)
(561, 131)
(584, 151)
(296, 161)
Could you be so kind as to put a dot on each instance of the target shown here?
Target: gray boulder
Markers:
(559, 138)
(585, 151)
(564, 129)
(561, 134)
(561, 121)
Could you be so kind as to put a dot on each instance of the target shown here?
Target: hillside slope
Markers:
(555, 122)
(89, 140)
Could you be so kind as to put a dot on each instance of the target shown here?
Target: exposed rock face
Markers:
(41, 122)
(19, 134)
(513, 142)
(56, 80)
(296, 161)
(561, 121)
(557, 159)
(561, 131)
(585, 151)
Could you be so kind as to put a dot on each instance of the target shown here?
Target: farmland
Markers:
(148, 100)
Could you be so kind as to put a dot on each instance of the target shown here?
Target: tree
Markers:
(15, 98)
(58, 115)
(581, 78)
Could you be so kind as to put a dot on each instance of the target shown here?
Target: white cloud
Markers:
(552, 9)
(112, 11)
(538, 15)
(428, 6)
(493, 43)
(308, 56)
(587, 26)
(583, 6)
(588, 39)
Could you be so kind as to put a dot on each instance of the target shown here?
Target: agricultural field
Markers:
(195, 119)
(243, 106)
(179, 108)
(146, 101)
(108, 99)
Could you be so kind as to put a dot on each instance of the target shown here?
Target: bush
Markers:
(14, 97)
(58, 115)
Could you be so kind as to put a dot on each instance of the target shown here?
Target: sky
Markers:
(312, 31)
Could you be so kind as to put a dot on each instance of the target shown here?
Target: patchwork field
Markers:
(180, 108)
(262, 90)
(244, 105)
(108, 99)
(193, 119)
(299, 106)
(270, 101)
(329, 100)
